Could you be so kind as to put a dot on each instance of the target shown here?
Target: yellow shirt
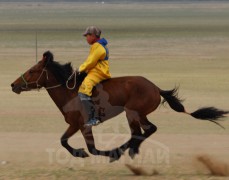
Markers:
(97, 61)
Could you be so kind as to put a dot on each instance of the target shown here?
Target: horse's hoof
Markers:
(132, 155)
(113, 160)
(116, 154)
(85, 154)
(121, 151)
(80, 153)
(133, 152)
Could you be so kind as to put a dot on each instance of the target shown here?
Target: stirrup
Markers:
(92, 122)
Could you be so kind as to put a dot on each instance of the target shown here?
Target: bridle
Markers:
(38, 86)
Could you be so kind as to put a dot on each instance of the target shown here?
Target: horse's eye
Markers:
(31, 71)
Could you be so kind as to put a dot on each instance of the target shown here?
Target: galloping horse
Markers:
(135, 95)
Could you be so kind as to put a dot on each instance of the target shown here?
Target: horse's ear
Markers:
(47, 57)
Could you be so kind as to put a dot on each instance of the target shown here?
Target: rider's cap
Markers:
(92, 30)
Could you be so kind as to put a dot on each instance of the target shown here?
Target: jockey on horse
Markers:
(97, 68)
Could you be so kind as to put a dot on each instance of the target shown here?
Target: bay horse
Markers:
(135, 95)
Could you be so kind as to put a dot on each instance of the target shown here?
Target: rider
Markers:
(97, 68)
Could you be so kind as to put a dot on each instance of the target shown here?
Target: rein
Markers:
(44, 70)
(70, 77)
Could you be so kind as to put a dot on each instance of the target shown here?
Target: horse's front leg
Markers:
(72, 129)
(114, 154)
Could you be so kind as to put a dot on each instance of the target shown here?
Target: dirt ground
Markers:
(168, 43)
(40, 156)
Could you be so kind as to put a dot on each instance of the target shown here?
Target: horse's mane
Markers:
(61, 71)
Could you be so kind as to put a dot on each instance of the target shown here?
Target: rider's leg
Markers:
(85, 93)
(88, 106)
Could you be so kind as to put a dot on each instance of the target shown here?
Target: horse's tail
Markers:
(206, 113)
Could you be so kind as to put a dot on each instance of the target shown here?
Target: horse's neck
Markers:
(61, 96)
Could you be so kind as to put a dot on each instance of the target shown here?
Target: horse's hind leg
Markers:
(148, 128)
(136, 134)
(136, 141)
(72, 129)
(114, 154)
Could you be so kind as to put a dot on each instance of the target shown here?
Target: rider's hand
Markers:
(78, 71)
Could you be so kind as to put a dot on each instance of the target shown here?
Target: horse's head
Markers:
(49, 74)
(35, 77)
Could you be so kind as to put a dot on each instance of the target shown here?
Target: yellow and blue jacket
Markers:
(97, 61)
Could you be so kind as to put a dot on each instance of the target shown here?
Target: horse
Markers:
(135, 95)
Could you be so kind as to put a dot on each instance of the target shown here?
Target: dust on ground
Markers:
(40, 155)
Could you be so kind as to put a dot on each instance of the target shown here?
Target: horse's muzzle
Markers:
(16, 88)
